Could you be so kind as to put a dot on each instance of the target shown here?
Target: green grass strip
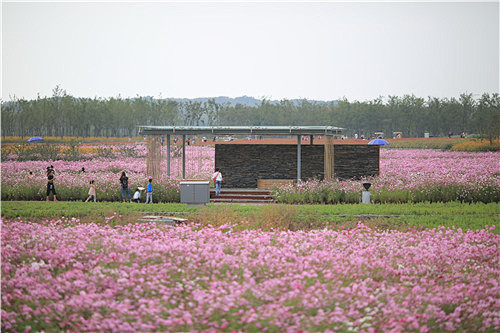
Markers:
(400, 216)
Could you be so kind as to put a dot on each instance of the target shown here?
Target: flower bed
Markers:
(71, 184)
(411, 176)
(405, 176)
(67, 276)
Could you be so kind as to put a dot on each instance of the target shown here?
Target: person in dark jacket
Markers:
(50, 184)
(124, 185)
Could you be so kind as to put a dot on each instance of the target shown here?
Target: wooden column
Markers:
(329, 162)
(154, 159)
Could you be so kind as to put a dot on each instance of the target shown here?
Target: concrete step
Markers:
(241, 201)
(241, 196)
(257, 196)
(243, 191)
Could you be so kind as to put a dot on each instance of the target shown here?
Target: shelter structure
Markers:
(154, 133)
(245, 165)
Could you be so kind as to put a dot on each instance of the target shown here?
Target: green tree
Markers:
(488, 119)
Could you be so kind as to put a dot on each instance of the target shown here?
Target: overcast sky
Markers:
(321, 50)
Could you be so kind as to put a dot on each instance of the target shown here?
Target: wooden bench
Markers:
(269, 184)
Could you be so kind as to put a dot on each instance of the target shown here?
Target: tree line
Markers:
(64, 115)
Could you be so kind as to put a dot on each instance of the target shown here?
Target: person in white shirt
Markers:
(217, 178)
(137, 196)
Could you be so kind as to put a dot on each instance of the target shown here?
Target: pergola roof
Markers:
(239, 130)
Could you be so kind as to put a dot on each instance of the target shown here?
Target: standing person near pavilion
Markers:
(217, 178)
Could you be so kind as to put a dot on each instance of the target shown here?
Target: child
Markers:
(91, 191)
(149, 192)
(137, 195)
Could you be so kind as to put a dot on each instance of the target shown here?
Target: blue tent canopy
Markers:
(35, 139)
(380, 142)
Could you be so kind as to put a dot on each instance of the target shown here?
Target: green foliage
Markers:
(78, 209)
(126, 151)
(105, 152)
(176, 151)
(73, 151)
(488, 116)
(431, 143)
(62, 115)
(36, 152)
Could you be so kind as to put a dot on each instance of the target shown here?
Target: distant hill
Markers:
(244, 100)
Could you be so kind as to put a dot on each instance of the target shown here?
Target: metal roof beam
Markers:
(239, 130)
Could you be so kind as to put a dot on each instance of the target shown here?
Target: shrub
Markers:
(425, 143)
(72, 153)
(477, 146)
(105, 152)
(125, 151)
(35, 152)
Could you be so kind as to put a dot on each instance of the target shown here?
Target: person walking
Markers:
(50, 184)
(91, 191)
(149, 191)
(124, 183)
(217, 178)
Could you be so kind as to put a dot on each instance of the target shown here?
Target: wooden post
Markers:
(154, 159)
(329, 162)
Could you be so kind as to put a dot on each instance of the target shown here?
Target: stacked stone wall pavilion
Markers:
(242, 165)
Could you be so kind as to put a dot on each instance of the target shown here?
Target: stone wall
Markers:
(354, 161)
(242, 165)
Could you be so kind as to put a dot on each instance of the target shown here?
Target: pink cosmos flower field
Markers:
(411, 176)
(405, 175)
(63, 275)
(71, 184)
(68, 276)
